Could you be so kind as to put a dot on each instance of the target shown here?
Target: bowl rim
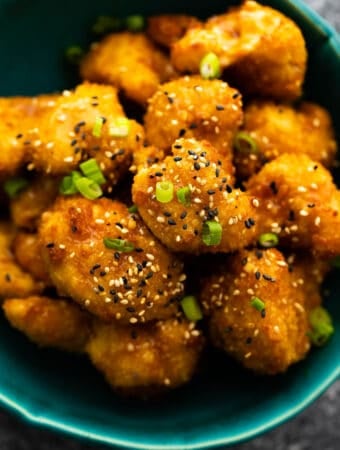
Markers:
(26, 414)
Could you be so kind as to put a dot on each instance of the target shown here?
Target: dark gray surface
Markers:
(317, 428)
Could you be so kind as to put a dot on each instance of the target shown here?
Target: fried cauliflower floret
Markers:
(146, 358)
(134, 285)
(48, 322)
(263, 50)
(66, 133)
(266, 341)
(26, 248)
(280, 128)
(166, 29)
(197, 167)
(129, 61)
(28, 205)
(194, 108)
(300, 202)
(14, 282)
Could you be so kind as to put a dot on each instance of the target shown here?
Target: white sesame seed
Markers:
(100, 221)
(68, 159)
(317, 221)
(303, 213)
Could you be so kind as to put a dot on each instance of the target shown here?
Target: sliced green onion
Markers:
(183, 195)
(92, 171)
(97, 127)
(164, 191)
(210, 66)
(88, 188)
(257, 303)
(67, 186)
(106, 24)
(336, 262)
(321, 326)
(133, 209)
(120, 127)
(13, 186)
(135, 23)
(268, 240)
(191, 308)
(244, 143)
(74, 54)
(121, 245)
(211, 232)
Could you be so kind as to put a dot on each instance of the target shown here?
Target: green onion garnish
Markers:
(135, 23)
(244, 143)
(268, 240)
(191, 308)
(164, 191)
(67, 186)
(336, 262)
(133, 209)
(183, 195)
(210, 66)
(97, 127)
(258, 304)
(121, 245)
(211, 232)
(13, 186)
(120, 127)
(321, 326)
(106, 24)
(92, 171)
(88, 188)
(74, 54)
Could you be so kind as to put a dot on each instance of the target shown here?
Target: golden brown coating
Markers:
(146, 156)
(263, 50)
(166, 29)
(194, 108)
(133, 286)
(266, 341)
(299, 201)
(28, 205)
(49, 322)
(198, 167)
(129, 61)
(26, 248)
(280, 128)
(146, 358)
(14, 282)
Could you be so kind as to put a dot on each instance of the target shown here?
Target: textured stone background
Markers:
(317, 428)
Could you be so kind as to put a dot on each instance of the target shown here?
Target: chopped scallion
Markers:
(121, 245)
(74, 54)
(211, 232)
(258, 304)
(164, 191)
(321, 326)
(120, 127)
(268, 240)
(135, 23)
(13, 186)
(133, 209)
(97, 127)
(244, 143)
(88, 188)
(67, 186)
(92, 171)
(183, 195)
(107, 24)
(191, 308)
(210, 66)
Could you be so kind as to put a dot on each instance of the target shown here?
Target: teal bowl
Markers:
(225, 405)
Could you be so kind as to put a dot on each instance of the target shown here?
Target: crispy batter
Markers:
(268, 342)
(263, 50)
(195, 165)
(129, 61)
(193, 107)
(146, 358)
(49, 322)
(166, 29)
(14, 282)
(280, 128)
(300, 202)
(135, 286)
(28, 205)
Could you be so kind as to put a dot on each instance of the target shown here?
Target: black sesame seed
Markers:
(219, 107)
(263, 313)
(268, 278)
(182, 132)
(211, 192)
(138, 250)
(249, 340)
(257, 275)
(178, 146)
(167, 214)
(192, 126)
(197, 166)
(177, 158)
(171, 222)
(185, 226)
(229, 189)
(130, 309)
(100, 288)
(116, 255)
(19, 136)
(244, 261)
(139, 293)
(274, 187)
(158, 174)
(50, 245)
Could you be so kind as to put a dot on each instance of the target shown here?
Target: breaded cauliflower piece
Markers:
(266, 340)
(129, 61)
(28, 205)
(197, 167)
(14, 282)
(279, 128)
(66, 133)
(263, 50)
(299, 201)
(134, 285)
(48, 322)
(166, 29)
(146, 358)
(193, 107)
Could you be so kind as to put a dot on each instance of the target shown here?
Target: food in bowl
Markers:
(87, 268)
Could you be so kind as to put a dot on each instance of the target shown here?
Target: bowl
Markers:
(226, 405)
